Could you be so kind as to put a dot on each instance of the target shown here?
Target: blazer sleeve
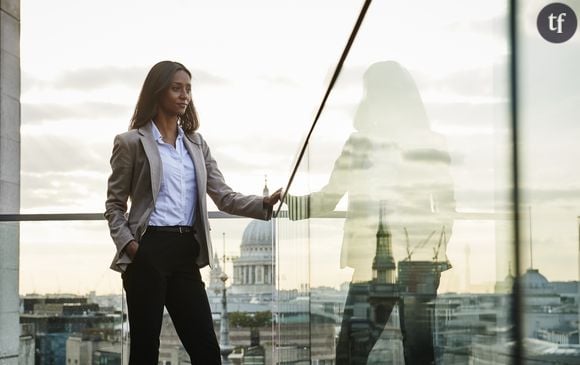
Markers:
(225, 198)
(118, 191)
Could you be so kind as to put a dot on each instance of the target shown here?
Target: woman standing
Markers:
(395, 170)
(165, 168)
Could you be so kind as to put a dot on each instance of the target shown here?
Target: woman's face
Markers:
(178, 95)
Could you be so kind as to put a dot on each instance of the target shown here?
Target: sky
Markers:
(260, 69)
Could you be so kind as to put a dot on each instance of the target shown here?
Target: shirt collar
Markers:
(159, 138)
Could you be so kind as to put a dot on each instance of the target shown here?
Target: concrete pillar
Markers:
(9, 178)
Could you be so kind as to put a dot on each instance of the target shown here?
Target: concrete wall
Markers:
(9, 178)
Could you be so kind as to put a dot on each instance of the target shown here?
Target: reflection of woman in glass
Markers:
(166, 169)
(396, 161)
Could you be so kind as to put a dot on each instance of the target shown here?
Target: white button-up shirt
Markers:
(177, 199)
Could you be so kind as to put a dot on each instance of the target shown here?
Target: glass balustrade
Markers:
(549, 188)
(72, 308)
(395, 243)
(398, 237)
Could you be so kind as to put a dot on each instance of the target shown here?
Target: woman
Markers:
(396, 172)
(165, 168)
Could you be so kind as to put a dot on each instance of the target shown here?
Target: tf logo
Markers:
(557, 22)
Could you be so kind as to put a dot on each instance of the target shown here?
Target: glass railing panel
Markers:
(551, 206)
(294, 334)
(245, 252)
(71, 303)
(405, 192)
(71, 306)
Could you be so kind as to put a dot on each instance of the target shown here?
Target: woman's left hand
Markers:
(270, 201)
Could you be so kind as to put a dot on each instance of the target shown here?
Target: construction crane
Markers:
(419, 245)
(441, 266)
(408, 244)
(442, 238)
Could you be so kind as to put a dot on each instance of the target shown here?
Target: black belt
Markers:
(171, 229)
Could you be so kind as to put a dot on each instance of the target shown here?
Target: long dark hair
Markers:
(156, 83)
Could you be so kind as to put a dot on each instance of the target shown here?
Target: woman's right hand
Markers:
(131, 249)
(270, 201)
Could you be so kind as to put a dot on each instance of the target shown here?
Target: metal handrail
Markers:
(335, 75)
(82, 217)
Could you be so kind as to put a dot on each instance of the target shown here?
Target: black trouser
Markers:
(359, 333)
(415, 318)
(164, 273)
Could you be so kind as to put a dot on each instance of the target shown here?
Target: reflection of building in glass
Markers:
(95, 347)
(475, 328)
(549, 315)
(507, 285)
(462, 320)
(392, 313)
(369, 306)
(309, 327)
(67, 328)
(383, 262)
(383, 291)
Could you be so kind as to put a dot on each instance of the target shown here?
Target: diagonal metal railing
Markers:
(335, 75)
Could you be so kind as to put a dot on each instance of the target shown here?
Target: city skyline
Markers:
(258, 76)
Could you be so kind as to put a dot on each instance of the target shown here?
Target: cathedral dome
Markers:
(534, 282)
(258, 232)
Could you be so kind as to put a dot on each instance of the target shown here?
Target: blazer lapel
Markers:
(193, 146)
(154, 159)
(194, 149)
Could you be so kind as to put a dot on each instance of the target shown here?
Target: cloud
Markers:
(237, 155)
(96, 78)
(68, 191)
(351, 76)
(70, 174)
(491, 25)
(206, 78)
(60, 155)
(500, 198)
(427, 155)
(552, 196)
(72, 191)
(489, 81)
(36, 113)
(280, 80)
(86, 79)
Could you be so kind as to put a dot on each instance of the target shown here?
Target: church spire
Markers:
(384, 263)
(266, 191)
(383, 228)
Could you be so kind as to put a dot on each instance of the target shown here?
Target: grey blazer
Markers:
(136, 176)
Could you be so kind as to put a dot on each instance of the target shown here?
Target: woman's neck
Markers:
(167, 126)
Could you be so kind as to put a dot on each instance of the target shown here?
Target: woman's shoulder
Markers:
(130, 135)
(196, 138)
(129, 138)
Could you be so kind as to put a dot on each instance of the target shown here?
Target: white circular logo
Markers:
(557, 22)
